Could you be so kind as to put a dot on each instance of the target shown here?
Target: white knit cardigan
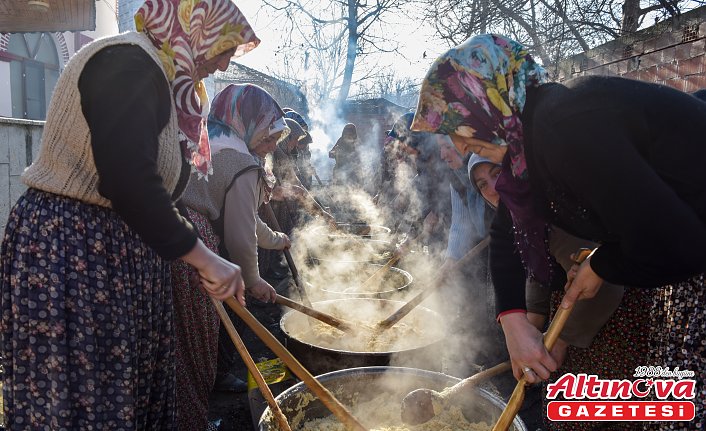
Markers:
(65, 164)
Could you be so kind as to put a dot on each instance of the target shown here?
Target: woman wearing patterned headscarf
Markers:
(596, 157)
(86, 292)
(245, 124)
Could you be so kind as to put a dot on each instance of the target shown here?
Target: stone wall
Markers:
(672, 53)
(19, 143)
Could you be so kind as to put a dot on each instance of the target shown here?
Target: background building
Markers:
(30, 62)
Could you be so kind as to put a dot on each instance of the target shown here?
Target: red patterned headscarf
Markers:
(187, 33)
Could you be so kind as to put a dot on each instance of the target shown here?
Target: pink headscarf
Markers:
(187, 33)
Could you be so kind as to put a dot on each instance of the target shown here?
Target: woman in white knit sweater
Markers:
(87, 319)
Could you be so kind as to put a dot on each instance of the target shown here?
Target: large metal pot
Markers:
(362, 384)
(339, 280)
(322, 356)
(359, 229)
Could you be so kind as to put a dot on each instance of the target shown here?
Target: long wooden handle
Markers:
(518, 395)
(478, 378)
(250, 364)
(380, 272)
(297, 368)
(326, 318)
(288, 256)
(421, 296)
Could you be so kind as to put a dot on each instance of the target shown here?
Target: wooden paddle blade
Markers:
(316, 314)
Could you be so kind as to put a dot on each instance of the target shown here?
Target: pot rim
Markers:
(431, 375)
(375, 295)
(282, 326)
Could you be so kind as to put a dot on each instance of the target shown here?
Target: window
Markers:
(34, 70)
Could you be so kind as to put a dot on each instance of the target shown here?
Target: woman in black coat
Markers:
(612, 160)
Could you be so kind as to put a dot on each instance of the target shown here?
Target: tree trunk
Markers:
(352, 51)
(631, 16)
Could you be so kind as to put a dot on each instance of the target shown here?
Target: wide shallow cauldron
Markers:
(358, 385)
(339, 280)
(420, 349)
(361, 229)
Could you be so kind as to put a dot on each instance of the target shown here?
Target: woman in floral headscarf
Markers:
(85, 277)
(596, 157)
(245, 124)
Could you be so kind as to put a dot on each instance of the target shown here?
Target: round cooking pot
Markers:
(350, 250)
(359, 229)
(339, 280)
(320, 356)
(477, 404)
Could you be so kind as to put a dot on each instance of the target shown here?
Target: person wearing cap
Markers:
(289, 194)
(427, 214)
(305, 170)
(348, 170)
(245, 124)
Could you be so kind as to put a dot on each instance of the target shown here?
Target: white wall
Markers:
(17, 137)
(5, 93)
(106, 19)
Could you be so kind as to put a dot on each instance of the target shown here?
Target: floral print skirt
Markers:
(618, 348)
(86, 321)
(678, 340)
(196, 325)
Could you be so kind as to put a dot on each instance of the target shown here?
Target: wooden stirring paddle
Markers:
(379, 273)
(421, 296)
(518, 395)
(250, 364)
(290, 261)
(335, 406)
(316, 314)
(418, 405)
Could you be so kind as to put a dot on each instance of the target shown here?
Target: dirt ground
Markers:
(233, 409)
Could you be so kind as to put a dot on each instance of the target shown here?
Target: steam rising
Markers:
(335, 264)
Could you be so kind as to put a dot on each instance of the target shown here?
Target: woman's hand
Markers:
(559, 351)
(526, 348)
(286, 242)
(220, 278)
(537, 320)
(581, 283)
(263, 291)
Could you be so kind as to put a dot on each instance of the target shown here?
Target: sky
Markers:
(414, 38)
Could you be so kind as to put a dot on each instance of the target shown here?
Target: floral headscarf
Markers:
(478, 90)
(187, 33)
(242, 112)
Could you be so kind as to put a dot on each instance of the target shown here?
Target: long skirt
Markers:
(678, 340)
(86, 321)
(618, 348)
(196, 326)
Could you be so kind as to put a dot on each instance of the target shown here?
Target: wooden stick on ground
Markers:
(250, 364)
(409, 306)
(338, 409)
